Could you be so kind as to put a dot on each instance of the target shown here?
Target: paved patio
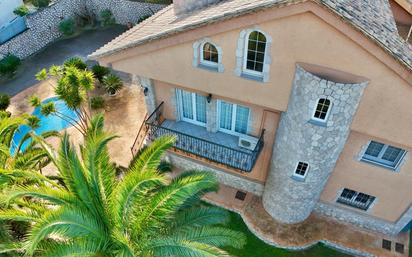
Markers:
(56, 53)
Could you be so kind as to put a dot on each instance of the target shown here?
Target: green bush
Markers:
(41, 3)
(67, 27)
(143, 18)
(21, 10)
(112, 83)
(106, 17)
(9, 65)
(96, 102)
(99, 72)
(165, 167)
(75, 62)
(4, 102)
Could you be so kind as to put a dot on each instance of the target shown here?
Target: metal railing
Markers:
(140, 137)
(243, 160)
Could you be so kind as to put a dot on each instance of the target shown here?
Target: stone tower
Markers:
(298, 139)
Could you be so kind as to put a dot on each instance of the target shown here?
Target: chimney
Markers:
(186, 6)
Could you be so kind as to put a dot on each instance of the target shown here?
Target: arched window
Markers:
(321, 112)
(209, 54)
(255, 52)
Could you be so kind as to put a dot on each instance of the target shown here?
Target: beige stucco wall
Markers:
(392, 188)
(300, 38)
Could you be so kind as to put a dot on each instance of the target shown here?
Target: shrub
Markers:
(112, 83)
(4, 102)
(99, 72)
(96, 102)
(21, 10)
(67, 27)
(106, 17)
(41, 3)
(75, 62)
(165, 167)
(143, 18)
(9, 65)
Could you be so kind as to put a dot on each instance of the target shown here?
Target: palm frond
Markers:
(214, 236)
(150, 158)
(130, 193)
(66, 223)
(16, 215)
(200, 216)
(46, 193)
(182, 248)
(78, 248)
(164, 203)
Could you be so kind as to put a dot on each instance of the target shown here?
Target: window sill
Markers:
(298, 178)
(396, 168)
(317, 123)
(208, 67)
(254, 77)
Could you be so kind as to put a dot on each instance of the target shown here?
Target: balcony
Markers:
(217, 147)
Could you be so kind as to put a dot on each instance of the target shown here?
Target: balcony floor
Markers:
(201, 132)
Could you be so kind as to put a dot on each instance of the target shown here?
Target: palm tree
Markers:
(143, 214)
(19, 165)
(74, 82)
(24, 154)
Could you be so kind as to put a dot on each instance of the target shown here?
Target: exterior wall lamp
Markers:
(209, 98)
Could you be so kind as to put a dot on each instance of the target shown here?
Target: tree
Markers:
(74, 82)
(143, 214)
(20, 162)
(21, 152)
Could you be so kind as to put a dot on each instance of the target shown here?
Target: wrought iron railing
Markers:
(243, 160)
(140, 137)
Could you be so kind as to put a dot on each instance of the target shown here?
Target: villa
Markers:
(304, 104)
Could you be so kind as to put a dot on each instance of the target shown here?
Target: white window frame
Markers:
(327, 113)
(206, 62)
(379, 161)
(198, 61)
(298, 175)
(245, 70)
(232, 131)
(180, 104)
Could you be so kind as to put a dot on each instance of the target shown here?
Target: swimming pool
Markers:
(47, 123)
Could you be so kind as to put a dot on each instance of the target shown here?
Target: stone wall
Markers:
(299, 139)
(223, 177)
(123, 11)
(43, 24)
(364, 220)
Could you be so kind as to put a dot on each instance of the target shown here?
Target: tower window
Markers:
(321, 112)
(301, 171)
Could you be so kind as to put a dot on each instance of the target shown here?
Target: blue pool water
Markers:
(51, 122)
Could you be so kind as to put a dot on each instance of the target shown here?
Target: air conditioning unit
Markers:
(248, 142)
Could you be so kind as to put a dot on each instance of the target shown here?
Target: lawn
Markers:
(257, 248)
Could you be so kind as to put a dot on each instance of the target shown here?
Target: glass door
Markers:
(233, 118)
(192, 107)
